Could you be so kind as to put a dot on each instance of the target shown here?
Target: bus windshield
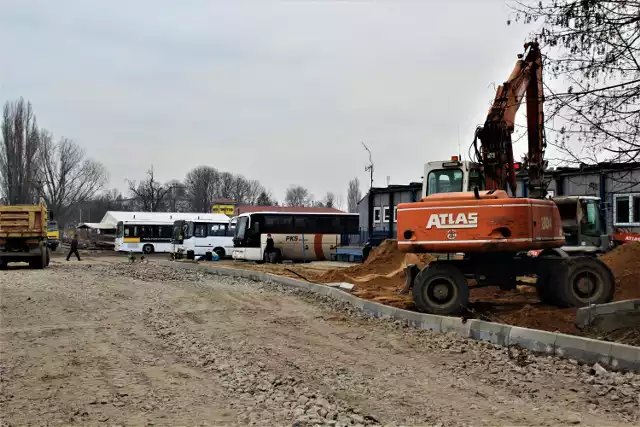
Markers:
(241, 227)
(52, 226)
(444, 181)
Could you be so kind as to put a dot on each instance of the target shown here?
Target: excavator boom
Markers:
(495, 135)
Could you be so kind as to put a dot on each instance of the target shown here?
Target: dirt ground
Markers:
(102, 342)
(382, 276)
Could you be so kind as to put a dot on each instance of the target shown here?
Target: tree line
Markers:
(34, 165)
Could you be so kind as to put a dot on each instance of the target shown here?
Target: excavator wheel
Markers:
(440, 289)
(587, 281)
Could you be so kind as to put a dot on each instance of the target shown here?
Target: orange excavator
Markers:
(485, 235)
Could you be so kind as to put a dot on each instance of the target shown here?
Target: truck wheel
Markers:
(440, 289)
(39, 262)
(147, 249)
(588, 281)
(48, 259)
(3, 264)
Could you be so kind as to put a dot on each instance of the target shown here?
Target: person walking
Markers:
(74, 248)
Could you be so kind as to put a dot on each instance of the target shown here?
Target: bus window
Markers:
(200, 230)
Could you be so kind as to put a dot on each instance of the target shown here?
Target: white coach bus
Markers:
(152, 232)
(204, 235)
(297, 236)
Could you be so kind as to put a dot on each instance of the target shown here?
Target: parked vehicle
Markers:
(23, 235)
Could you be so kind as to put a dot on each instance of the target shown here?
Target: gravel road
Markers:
(118, 344)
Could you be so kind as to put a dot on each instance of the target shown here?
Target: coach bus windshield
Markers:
(241, 227)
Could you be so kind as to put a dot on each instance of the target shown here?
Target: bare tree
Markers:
(68, 176)
(202, 184)
(93, 210)
(149, 194)
(594, 51)
(227, 186)
(297, 196)
(254, 189)
(329, 200)
(353, 195)
(177, 199)
(265, 199)
(18, 152)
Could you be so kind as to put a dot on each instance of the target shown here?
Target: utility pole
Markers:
(369, 168)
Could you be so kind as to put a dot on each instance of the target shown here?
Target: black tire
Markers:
(220, 251)
(588, 281)
(47, 259)
(147, 249)
(39, 262)
(440, 289)
(550, 280)
(3, 264)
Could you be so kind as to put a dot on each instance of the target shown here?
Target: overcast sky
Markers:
(280, 91)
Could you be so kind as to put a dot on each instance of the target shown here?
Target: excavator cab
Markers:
(451, 176)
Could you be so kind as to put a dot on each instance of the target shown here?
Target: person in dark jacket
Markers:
(270, 245)
(74, 248)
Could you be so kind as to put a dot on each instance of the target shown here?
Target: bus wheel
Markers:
(147, 249)
(220, 252)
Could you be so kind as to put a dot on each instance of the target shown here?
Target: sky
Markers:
(279, 91)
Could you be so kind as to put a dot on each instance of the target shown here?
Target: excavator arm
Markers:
(495, 136)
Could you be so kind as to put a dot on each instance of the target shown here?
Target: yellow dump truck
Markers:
(23, 235)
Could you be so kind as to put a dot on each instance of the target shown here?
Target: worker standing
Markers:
(270, 245)
(74, 248)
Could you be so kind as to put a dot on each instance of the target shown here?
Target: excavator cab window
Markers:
(444, 181)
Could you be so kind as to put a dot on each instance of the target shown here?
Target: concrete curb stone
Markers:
(587, 315)
(586, 350)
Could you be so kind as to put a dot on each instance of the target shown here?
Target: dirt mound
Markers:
(384, 259)
(381, 276)
(624, 261)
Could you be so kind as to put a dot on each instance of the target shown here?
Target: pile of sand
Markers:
(381, 276)
(624, 261)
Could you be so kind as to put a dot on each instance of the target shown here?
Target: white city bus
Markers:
(150, 232)
(146, 236)
(202, 236)
(297, 236)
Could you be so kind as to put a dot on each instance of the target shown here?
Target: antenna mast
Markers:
(369, 168)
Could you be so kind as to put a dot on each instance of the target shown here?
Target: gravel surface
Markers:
(143, 344)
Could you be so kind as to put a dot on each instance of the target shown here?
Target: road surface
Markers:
(108, 343)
